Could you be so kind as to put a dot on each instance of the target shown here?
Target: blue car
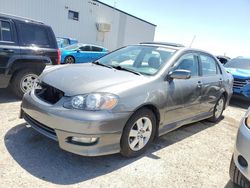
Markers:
(240, 69)
(81, 53)
(64, 41)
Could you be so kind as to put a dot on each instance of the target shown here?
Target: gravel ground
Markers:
(197, 155)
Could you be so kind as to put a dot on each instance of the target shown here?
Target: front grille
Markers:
(239, 83)
(48, 93)
(41, 128)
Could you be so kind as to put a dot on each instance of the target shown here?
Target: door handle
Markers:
(8, 50)
(199, 84)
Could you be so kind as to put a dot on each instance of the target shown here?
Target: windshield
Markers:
(73, 46)
(146, 60)
(239, 63)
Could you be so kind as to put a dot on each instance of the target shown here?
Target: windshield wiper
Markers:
(125, 69)
(98, 63)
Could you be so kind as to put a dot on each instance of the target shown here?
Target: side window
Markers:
(209, 65)
(5, 32)
(188, 62)
(96, 49)
(85, 48)
(33, 34)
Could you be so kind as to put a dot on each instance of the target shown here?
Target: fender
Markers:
(27, 58)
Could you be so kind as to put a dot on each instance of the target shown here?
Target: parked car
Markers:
(120, 105)
(223, 59)
(239, 169)
(62, 42)
(81, 53)
(26, 46)
(240, 69)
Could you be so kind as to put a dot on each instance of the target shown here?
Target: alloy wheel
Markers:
(27, 82)
(219, 108)
(140, 134)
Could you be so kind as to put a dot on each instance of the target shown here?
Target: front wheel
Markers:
(218, 109)
(138, 133)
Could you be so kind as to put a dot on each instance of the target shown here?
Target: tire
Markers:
(23, 81)
(237, 177)
(69, 60)
(220, 105)
(132, 134)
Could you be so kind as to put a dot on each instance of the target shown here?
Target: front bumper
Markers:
(60, 124)
(242, 148)
(244, 91)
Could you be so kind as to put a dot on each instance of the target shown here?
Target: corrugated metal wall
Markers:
(124, 28)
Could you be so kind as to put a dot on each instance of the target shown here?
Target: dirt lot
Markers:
(197, 155)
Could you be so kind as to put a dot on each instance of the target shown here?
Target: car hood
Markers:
(239, 73)
(87, 78)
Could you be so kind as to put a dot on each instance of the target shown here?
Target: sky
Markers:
(219, 26)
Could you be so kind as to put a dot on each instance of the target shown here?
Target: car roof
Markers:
(18, 18)
(174, 46)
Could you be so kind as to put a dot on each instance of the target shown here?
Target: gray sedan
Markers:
(121, 102)
(239, 169)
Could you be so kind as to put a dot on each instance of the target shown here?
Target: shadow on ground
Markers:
(42, 157)
(6, 96)
(239, 102)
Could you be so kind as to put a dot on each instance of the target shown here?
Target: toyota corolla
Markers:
(121, 102)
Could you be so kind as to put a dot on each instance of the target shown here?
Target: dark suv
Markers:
(26, 47)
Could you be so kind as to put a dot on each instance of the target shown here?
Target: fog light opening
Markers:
(242, 161)
(82, 140)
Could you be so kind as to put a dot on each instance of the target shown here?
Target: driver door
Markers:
(184, 95)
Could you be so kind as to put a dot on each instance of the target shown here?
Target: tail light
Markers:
(58, 56)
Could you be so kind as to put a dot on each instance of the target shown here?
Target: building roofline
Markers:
(124, 12)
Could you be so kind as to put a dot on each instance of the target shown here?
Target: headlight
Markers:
(248, 81)
(93, 101)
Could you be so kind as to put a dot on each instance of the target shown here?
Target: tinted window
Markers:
(209, 65)
(85, 48)
(239, 63)
(5, 31)
(96, 49)
(188, 62)
(33, 34)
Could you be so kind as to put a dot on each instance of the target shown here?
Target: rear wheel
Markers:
(138, 133)
(69, 60)
(237, 177)
(218, 109)
(23, 81)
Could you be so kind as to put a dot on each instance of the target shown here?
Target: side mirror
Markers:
(78, 50)
(179, 74)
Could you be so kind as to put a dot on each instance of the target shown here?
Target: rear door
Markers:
(97, 52)
(211, 81)
(8, 43)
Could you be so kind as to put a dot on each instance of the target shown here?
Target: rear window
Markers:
(32, 34)
(96, 49)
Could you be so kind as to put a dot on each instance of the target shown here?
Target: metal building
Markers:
(89, 21)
